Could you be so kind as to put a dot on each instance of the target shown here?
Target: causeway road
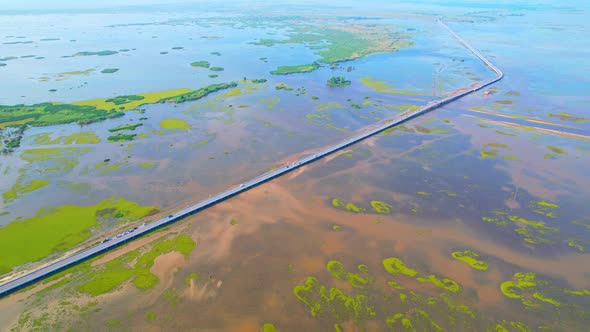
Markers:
(59, 265)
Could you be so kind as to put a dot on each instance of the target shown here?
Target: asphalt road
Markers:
(43, 272)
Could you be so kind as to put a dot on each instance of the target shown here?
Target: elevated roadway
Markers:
(59, 265)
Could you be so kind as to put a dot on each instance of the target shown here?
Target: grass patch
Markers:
(125, 127)
(172, 124)
(121, 137)
(109, 70)
(57, 229)
(134, 265)
(383, 87)
(556, 149)
(19, 189)
(201, 64)
(285, 70)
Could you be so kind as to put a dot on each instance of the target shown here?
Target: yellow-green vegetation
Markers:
(525, 287)
(488, 154)
(341, 43)
(233, 93)
(532, 231)
(285, 70)
(270, 102)
(173, 124)
(577, 245)
(135, 266)
(65, 159)
(424, 193)
(359, 279)
(56, 229)
(269, 328)
(126, 127)
(497, 145)
(283, 86)
(149, 164)
(121, 137)
(396, 266)
(556, 149)
(83, 137)
(19, 189)
(190, 278)
(201, 64)
(105, 166)
(336, 227)
(353, 208)
(383, 87)
(336, 202)
(363, 301)
(381, 207)
(510, 157)
(568, 117)
(150, 315)
(233, 222)
(470, 258)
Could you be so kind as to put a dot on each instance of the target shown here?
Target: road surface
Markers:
(43, 272)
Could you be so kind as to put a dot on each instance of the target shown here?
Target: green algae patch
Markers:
(233, 93)
(525, 287)
(134, 265)
(470, 258)
(269, 328)
(285, 70)
(556, 150)
(336, 202)
(150, 315)
(149, 164)
(488, 154)
(333, 302)
(396, 266)
(173, 124)
(384, 87)
(510, 157)
(424, 193)
(358, 279)
(353, 208)
(547, 204)
(121, 137)
(497, 145)
(57, 229)
(381, 207)
(444, 283)
(19, 189)
(83, 137)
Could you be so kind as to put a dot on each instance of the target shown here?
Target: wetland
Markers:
(473, 217)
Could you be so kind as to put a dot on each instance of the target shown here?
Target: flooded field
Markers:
(473, 217)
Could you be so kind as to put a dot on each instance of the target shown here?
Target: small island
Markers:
(201, 64)
(216, 68)
(109, 70)
(337, 81)
(285, 70)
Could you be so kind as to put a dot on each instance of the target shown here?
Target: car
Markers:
(119, 235)
(170, 215)
(106, 240)
(242, 185)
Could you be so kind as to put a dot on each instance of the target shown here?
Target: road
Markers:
(43, 272)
